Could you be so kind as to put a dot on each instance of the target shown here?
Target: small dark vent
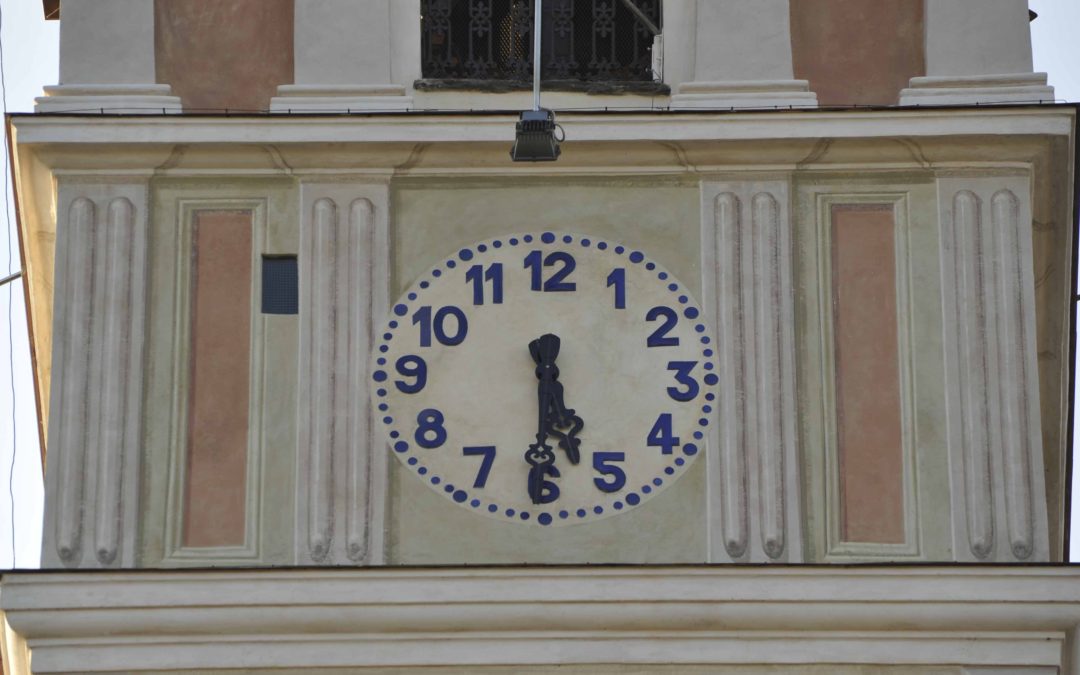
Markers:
(280, 292)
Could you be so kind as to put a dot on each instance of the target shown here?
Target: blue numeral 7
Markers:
(488, 451)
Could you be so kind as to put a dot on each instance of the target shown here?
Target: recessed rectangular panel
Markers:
(215, 486)
(867, 384)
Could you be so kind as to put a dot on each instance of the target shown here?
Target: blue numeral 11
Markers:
(477, 276)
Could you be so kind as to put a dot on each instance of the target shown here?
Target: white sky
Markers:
(30, 51)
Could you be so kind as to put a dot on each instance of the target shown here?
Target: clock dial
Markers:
(558, 341)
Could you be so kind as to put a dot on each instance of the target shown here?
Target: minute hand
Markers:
(554, 418)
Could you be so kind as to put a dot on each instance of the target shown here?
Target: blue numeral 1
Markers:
(617, 278)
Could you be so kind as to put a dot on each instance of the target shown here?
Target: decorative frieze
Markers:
(754, 513)
(341, 471)
(99, 329)
(995, 439)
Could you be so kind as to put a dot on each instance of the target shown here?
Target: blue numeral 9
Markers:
(411, 366)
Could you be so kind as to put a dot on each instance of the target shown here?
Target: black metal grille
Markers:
(583, 40)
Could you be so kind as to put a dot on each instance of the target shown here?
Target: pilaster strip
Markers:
(770, 401)
(71, 432)
(1015, 343)
(730, 435)
(359, 254)
(320, 323)
(115, 270)
(969, 251)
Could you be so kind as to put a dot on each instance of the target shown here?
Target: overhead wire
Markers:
(11, 301)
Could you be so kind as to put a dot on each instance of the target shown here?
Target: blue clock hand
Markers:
(552, 418)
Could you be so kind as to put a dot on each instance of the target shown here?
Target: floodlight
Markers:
(535, 140)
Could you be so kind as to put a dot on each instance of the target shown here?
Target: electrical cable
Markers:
(11, 301)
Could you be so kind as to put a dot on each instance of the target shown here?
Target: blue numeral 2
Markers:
(659, 336)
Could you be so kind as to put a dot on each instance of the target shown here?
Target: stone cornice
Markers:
(452, 127)
(970, 615)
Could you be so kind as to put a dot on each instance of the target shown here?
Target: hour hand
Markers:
(542, 462)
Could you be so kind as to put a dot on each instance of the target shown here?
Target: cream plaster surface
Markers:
(926, 485)
(435, 218)
(439, 181)
(272, 434)
(107, 42)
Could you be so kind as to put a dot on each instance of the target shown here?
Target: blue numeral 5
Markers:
(601, 463)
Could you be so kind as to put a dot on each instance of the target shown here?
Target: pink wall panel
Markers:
(219, 375)
(858, 51)
(867, 373)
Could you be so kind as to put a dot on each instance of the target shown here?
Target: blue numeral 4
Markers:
(662, 436)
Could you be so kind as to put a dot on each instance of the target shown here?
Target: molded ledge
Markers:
(978, 90)
(1003, 616)
(126, 99)
(747, 94)
(324, 98)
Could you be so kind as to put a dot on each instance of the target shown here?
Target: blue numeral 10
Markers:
(422, 316)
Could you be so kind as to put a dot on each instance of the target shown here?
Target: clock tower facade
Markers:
(797, 290)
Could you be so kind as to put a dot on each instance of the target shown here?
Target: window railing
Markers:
(583, 41)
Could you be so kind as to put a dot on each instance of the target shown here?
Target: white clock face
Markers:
(464, 399)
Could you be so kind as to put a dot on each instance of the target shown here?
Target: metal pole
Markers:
(536, 54)
(9, 279)
(653, 28)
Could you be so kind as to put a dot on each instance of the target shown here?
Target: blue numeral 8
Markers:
(430, 421)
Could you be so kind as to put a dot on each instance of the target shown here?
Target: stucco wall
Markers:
(857, 51)
(225, 53)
